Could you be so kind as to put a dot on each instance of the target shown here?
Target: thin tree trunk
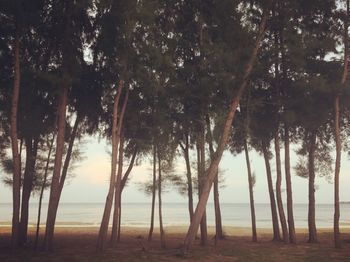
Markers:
(16, 188)
(150, 234)
(278, 189)
(251, 193)
(201, 171)
(291, 227)
(161, 229)
(116, 128)
(31, 155)
(61, 126)
(54, 192)
(200, 209)
(42, 192)
(276, 232)
(123, 183)
(120, 217)
(337, 236)
(218, 222)
(311, 213)
(69, 154)
(185, 150)
(54, 202)
(115, 224)
(128, 171)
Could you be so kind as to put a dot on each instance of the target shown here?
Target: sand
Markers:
(78, 244)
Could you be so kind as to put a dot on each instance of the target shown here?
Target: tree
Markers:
(337, 237)
(223, 140)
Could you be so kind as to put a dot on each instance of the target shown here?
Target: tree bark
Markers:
(123, 183)
(337, 235)
(291, 227)
(278, 189)
(201, 170)
(31, 155)
(116, 128)
(69, 154)
(276, 232)
(161, 229)
(16, 188)
(54, 192)
(218, 222)
(186, 153)
(311, 212)
(42, 192)
(251, 193)
(150, 234)
(114, 236)
(200, 209)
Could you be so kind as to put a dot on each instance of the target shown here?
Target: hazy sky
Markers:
(92, 177)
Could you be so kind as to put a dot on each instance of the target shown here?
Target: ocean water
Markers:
(176, 214)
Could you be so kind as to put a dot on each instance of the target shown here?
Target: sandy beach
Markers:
(78, 244)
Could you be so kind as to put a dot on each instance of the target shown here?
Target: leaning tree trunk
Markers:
(186, 153)
(212, 171)
(116, 128)
(31, 156)
(276, 232)
(337, 236)
(42, 192)
(68, 155)
(312, 211)
(161, 229)
(16, 187)
(123, 183)
(291, 227)
(278, 189)
(150, 233)
(218, 222)
(51, 213)
(114, 236)
(251, 192)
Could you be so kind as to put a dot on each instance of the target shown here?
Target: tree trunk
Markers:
(292, 236)
(116, 128)
(337, 236)
(120, 217)
(218, 222)
(31, 155)
(161, 229)
(114, 236)
(150, 234)
(54, 192)
(212, 171)
(69, 154)
(311, 213)
(185, 150)
(16, 188)
(42, 192)
(278, 189)
(251, 192)
(201, 177)
(123, 183)
(61, 126)
(276, 232)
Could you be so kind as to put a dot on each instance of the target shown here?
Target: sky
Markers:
(91, 180)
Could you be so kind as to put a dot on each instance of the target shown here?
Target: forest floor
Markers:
(78, 244)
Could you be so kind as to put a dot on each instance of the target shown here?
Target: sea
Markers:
(176, 214)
